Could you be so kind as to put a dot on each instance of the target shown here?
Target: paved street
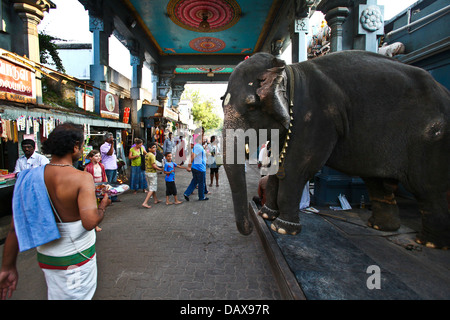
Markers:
(187, 251)
(193, 251)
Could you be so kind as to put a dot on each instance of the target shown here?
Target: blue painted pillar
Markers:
(99, 66)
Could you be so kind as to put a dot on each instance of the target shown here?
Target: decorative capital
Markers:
(135, 60)
(33, 9)
(371, 18)
(165, 79)
(337, 15)
(301, 25)
(177, 91)
(96, 24)
(45, 5)
(41, 5)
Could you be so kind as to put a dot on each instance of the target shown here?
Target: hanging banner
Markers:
(109, 105)
(17, 83)
(126, 115)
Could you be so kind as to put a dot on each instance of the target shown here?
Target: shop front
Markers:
(158, 122)
(21, 122)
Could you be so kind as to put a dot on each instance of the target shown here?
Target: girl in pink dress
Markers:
(95, 167)
(97, 170)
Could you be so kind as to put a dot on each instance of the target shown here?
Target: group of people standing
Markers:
(56, 209)
(144, 168)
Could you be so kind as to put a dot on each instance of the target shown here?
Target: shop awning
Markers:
(12, 112)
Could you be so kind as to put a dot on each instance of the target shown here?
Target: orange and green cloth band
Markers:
(62, 263)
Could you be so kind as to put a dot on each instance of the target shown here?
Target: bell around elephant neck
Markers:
(290, 78)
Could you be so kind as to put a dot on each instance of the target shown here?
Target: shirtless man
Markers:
(72, 193)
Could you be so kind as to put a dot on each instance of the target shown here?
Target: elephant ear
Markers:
(267, 82)
(268, 77)
(267, 92)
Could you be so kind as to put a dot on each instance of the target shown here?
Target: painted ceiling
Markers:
(233, 26)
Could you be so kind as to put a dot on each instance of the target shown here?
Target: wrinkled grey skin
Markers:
(357, 112)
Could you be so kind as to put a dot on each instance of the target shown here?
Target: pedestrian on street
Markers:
(151, 175)
(169, 171)
(168, 144)
(198, 167)
(109, 160)
(97, 170)
(55, 210)
(137, 180)
(213, 150)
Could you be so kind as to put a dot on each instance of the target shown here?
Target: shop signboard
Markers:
(170, 114)
(17, 83)
(109, 105)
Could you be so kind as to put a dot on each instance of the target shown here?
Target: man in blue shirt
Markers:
(168, 144)
(198, 167)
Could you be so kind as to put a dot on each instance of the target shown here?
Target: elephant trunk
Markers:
(238, 184)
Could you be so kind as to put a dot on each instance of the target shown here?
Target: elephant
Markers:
(355, 111)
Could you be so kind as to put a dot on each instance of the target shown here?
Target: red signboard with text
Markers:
(17, 83)
(126, 115)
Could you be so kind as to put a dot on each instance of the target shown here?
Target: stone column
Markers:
(336, 12)
(335, 18)
(100, 48)
(136, 81)
(31, 13)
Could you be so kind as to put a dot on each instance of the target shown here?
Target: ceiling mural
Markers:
(180, 27)
(207, 44)
(204, 15)
(194, 70)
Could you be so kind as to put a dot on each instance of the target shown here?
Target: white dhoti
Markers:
(69, 263)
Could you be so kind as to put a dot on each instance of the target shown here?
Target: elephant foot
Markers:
(434, 243)
(385, 217)
(267, 213)
(435, 232)
(383, 224)
(285, 227)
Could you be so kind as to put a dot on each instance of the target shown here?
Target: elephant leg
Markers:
(385, 213)
(289, 195)
(435, 231)
(269, 210)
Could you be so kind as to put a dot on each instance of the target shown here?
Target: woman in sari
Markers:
(137, 180)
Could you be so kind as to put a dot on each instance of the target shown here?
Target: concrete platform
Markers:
(333, 257)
